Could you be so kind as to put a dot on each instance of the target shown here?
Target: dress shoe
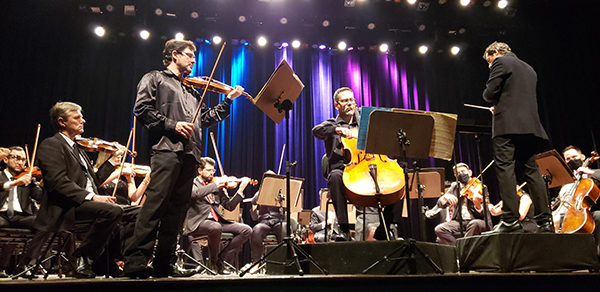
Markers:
(343, 236)
(135, 270)
(503, 227)
(29, 274)
(174, 270)
(80, 268)
(546, 227)
(223, 269)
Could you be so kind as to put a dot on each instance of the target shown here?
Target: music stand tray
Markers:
(552, 164)
(283, 84)
(431, 181)
(272, 185)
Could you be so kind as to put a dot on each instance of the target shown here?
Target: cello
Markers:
(360, 183)
(574, 215)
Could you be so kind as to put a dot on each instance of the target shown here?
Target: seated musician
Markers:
(468, 212)
(575, 158)
(205, 218)
(71, 193)
(269, 222)
(526, 211)
(331, 131)
(16, 200)
(318, 224)
(130, 198)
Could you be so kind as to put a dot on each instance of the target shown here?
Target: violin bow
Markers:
(123, 157)
(281, 159)
(37, 137)
(207, 84)
(133, 130)
(486, 168)
(212, 138)
(27, 156)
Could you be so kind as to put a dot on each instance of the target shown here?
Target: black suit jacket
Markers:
(64, 183)
(511, 87)
(25, 195)
(200, 205)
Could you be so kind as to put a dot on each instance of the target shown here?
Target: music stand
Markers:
(276, 99)
(429, 186)
(388, 133)
(554, 169)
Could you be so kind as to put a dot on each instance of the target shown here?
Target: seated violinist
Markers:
(526, 211)
(18, 190)
(205, 218)
(467, 207)
(575, 160)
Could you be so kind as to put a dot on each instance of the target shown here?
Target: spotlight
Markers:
(325, 23)
(158, 11)
(217, 39)
(502, 4)
(110, 8)
(285, 45)
(411, 2)
(283, 20)
(144, 34)
(349, 3)
(371, 26)
(296, 44)
(322, 47)
(350, 49)
(455, 50)
(99, 31)
(384, 48)
(423, 49)
(179, 36)
(465, 2)
(262, 41)
(194, 15)
(242, 18)
(342, 46)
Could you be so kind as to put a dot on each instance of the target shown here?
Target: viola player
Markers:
(468, 212)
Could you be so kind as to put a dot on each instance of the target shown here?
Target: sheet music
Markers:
(363, 125)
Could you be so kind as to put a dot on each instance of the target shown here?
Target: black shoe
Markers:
(29, 274)
(136, 270)
(546, 227)
(223, 269)
(174, 270)
(80, 268)
(503, 227)
(343, 236)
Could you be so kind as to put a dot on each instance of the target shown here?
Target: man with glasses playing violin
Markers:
(167, 107)
(17, 209)
(467, 207)
(205, 218)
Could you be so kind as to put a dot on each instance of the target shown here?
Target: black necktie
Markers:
(10, 212)
(87, 169)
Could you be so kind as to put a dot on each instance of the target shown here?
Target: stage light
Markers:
(217, 39)
(110, 8)
(322, 47)
(325, 23)
(158, 11)
(262, 41)
(99, 31)
(502, 4)
(285, 45)
(179, 36)
(455, 50)
(283, 20)
(349, 3)
(350, 49)
(371, 26)
(423, 49)
(144, 34)
(194, 15)
(465, 2)
(296, 44)
(384, 48)
(342, 46)
(242, 18)
(411, 2)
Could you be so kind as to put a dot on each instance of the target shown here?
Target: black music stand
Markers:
(555, 172)
(429, 185)
(388, 133)
(276, 99)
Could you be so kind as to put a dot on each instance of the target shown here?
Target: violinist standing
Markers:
(205, 218)
(331, 132)
(166, 107)
(71, 193)
(517, 134)
(468, 212)
(17, 192)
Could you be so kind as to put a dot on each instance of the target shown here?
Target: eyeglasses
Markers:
(346, 100)
(210, 170)
(18, 159)
(189, 55)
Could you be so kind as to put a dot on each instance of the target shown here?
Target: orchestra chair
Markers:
(202, 241)
(17, 237)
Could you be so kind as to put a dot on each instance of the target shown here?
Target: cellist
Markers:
(574, 158)
(331, 132)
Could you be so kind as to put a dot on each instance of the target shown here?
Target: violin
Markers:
(138, 170)
(35, 172)
(473, 186)
(95, 144)
(232, 182)
(200, 82)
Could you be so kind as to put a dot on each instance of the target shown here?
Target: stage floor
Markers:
(291, 283)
